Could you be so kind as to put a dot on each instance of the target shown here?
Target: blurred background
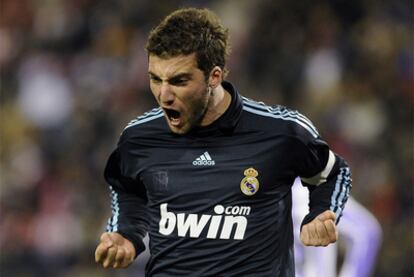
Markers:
(74, 73)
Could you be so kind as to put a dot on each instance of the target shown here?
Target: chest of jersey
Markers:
(231, 171)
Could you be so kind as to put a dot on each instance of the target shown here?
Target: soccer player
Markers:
(208, 174)
(360, 231)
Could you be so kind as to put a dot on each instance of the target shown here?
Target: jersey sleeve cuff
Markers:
(312, 215)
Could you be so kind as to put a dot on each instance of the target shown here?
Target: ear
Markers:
(216, 77)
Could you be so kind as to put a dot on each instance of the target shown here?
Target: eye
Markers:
(155, 79)
(178, 82)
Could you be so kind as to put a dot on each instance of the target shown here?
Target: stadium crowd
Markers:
(74, 73)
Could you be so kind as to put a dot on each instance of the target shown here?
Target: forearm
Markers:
(128, 203)
(329, 191)
(129, 217)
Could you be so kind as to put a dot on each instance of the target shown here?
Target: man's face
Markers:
(180, 89)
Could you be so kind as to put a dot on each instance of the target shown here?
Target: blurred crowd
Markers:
(74, 73)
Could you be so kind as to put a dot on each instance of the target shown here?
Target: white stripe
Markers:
(343, 196)
(285, 113)
(278, 110)
(271, 109)
(109, 224)
(342, 187)
(113, 221)
(329, 165)
(151, 112)
(144, 120)
(154, 111)
(267, 114)
(145, 115)
(321, 177)
(337, 187)
(345, 191)
(207, 156)
(336, 191)
(203, 157)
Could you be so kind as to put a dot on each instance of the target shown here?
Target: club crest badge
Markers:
(249, 185)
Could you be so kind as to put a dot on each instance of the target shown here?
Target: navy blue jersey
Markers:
(217, 200)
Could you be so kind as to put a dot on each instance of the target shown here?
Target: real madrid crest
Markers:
(249, 185)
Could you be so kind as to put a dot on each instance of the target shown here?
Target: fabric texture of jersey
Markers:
(217, 201)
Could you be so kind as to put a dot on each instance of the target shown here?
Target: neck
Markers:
(219, 102)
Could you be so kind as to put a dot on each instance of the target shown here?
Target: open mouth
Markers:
(173, 116)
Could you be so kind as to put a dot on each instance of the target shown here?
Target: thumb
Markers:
(327, 215)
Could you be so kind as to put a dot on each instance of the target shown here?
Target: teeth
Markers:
(175, 121)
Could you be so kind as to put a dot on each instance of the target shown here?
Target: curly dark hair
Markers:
(188, 31)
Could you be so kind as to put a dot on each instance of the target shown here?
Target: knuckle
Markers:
(121, 252)
(128, 254)
(104, 237)
(119, 256)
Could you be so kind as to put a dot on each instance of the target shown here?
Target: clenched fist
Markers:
(321, 231)
(114, 251)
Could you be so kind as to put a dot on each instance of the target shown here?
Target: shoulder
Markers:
(279, 119)
(144, 123)
(145, 117)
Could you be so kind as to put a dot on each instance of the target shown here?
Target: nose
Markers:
(167, 96)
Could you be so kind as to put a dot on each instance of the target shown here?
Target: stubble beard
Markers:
(198, 112)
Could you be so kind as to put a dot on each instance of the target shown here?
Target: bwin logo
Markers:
(204, 159)
(193, 224)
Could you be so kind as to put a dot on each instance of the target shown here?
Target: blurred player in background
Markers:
(359, 230)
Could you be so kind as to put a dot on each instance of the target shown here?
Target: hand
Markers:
(114, 251)
(321, 231)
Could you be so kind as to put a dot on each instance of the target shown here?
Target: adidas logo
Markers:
(204, 159)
